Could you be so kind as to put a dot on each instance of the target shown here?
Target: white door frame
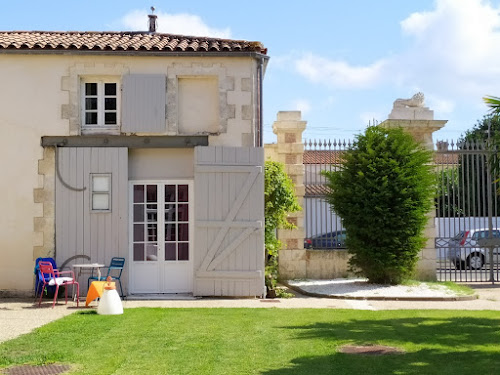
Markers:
(167, 276)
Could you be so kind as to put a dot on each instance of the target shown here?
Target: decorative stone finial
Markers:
(411, 109)
(416, 100)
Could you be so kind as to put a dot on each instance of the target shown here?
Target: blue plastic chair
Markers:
(39, 277)
(115, 270)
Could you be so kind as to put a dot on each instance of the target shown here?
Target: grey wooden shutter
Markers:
(99, 236)
(143, 103)
(229, 221)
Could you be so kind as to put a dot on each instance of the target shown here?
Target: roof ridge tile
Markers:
(122, 40)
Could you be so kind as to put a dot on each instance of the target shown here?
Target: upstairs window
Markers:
(100, 105)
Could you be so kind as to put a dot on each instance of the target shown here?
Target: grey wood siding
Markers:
(144, 103)
(229, 221)
(99, 235)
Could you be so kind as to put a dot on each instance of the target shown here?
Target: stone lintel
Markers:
(132, 141)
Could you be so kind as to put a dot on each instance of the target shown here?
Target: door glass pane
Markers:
(152, 212)
(100, 201)
(138, 212)
(182, 212)
(138, 232)
(183, 251)
(169, 212)
(169, 232)
(183, 232)
(151, 193)
(138, 193)
(169, 193)
(101, 183)
(138, 252)
(151, 252)
(170, 251)
(152, 232)
(183, 193)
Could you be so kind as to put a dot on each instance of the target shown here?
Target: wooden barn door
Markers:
(229, 221)
(91, 206)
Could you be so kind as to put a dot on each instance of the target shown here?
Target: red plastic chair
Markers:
(55, 279)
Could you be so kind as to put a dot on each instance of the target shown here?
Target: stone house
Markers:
(134, 144)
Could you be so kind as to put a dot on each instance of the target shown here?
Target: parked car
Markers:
(330, 240)
(466, 251)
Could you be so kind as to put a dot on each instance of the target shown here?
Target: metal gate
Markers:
(467, 213)
(323, 227)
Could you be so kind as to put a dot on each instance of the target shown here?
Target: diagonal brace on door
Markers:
(226, 224)
(229, 249)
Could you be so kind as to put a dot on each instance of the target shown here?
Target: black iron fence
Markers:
(466, 217)
(323, 228)
(467, 212)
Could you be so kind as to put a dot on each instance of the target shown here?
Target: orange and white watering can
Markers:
(110, 303)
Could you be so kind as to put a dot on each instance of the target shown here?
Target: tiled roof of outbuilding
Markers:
(327, 157)
(122, 41)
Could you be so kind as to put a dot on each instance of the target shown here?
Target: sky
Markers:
(342, 63)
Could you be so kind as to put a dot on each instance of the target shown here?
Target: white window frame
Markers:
(100, 127)
(100, 192)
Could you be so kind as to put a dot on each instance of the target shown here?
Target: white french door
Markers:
(161, 236)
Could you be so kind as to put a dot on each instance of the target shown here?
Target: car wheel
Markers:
(475, 261)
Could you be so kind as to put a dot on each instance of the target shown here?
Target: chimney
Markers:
(152, 21)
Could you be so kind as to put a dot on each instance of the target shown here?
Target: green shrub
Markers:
(383, 194)
(280, 199)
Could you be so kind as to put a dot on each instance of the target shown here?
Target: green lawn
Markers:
(263, 341)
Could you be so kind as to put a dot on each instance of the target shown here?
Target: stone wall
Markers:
(44, 198)
(295, 262)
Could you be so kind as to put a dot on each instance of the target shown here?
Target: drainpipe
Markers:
(260, 119)
(260, 73)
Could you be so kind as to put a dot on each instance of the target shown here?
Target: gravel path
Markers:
(19, 316)
(360, 288)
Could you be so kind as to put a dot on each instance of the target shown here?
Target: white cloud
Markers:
(452, 51)
(440, 105)
(457, 44)
(339, 73)
(183, 23)
(302, 105)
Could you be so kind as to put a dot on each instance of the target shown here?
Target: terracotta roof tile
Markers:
(335, 157)
(323, 157)
(316, 190)
(122, 41)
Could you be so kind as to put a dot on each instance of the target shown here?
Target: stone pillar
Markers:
(289, 150)
(419, 121)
